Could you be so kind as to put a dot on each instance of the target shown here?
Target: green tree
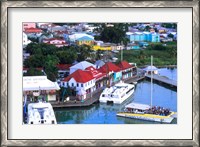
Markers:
(112, 34)
(33, 72)
(31, 47)
(98, 54)
(172, 51)
(34, 61)
(47, 49)
(50, 67)
(67, 57)
(84, 51)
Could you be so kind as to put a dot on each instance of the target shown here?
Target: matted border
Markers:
(4, 72)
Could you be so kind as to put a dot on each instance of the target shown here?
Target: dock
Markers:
(163, 80)
(90, 99)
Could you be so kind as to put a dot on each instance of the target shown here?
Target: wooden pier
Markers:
(163, 80)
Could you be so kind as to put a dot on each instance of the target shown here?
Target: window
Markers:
(72, 84)
(77, 84)
(81, 85)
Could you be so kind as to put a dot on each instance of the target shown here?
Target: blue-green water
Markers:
(106, 114)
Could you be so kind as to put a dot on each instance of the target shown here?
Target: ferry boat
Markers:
(41, 113)
(146, 112)
(117, 93)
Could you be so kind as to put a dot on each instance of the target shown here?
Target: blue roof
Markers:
(85, 38)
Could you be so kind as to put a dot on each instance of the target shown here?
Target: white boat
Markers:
(147, 112)
(41, 113)
(117, 93)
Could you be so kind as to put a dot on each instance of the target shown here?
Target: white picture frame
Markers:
(6, 67)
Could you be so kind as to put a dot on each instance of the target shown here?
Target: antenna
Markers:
(151, 78)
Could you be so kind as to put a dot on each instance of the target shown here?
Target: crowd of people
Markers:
(158, 111)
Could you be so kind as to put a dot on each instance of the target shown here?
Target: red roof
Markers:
(80, 76)
(63, 66)
(109, 67)
(32, 30)
(95, 73)
(124, 65)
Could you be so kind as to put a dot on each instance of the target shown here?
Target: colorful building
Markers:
(143, 36)
(128, 70)
(113, 71)
(102, 47)
(85, 40)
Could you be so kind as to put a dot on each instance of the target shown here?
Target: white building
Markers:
(82, 65)
(40, 86)
(80, 81)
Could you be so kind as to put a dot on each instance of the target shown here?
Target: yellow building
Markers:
(102, 47)
(85, 40)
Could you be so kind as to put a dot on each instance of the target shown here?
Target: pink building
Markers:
(29, 25)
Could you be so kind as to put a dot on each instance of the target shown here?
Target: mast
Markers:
(151, 79)
(122, 52)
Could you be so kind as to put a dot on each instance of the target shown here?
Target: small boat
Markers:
(147, 112)
(117, 93)
(41, 113)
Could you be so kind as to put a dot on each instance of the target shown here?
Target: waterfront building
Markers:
(100, 78)
(80, 80)
(81, 65)
(55, 41)
(39, 86)
(113, 72)
(128, 70)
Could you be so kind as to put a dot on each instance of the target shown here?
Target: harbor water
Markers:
(99, 113)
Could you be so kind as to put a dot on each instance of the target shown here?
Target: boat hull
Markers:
(148, 117)
(41, 113)
(116, 100)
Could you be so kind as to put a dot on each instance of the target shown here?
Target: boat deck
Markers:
(146, 115)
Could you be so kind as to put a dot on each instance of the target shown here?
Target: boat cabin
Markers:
(136, 107)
